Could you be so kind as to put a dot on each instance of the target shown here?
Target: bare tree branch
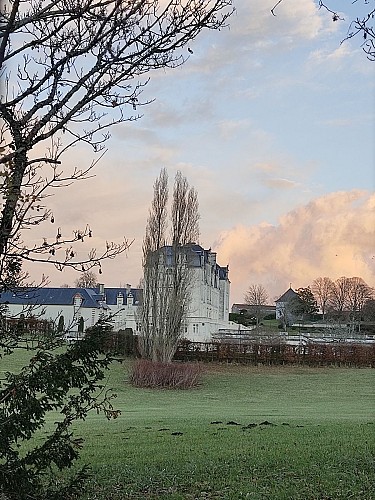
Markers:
(362, 25)
(72, 69)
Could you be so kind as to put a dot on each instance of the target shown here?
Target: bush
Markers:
(158, 375)
(123, 343)
(270, 316)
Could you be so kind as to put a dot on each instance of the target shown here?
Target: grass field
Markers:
(246, 432)
(319, 441)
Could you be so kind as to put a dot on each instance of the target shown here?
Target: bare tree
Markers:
(338, 300)
(71, 69)
(88, 279)
(349, 296)
(167, 272)
(322, 289)
(362, 25)
(257, 297)
(153, 283)
(359, 293)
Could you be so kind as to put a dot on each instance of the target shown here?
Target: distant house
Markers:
(283, 307)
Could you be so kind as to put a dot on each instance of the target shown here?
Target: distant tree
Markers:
(257, 297)
(88, 279)
(338, 300)
(368, 310)
(322, 289)
(61, 324)
(347, 300)
(362, 25)
(167, 274)
(359, 293)
(304, 305)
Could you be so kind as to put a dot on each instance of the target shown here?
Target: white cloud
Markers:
(332, 58)
(294, 18)
(280, 183)
(228, 128)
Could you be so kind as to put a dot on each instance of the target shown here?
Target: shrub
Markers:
(146, 373)
(123, 342)
(270, 316)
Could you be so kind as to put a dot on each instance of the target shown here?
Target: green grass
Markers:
(321, 445)
(165, 444)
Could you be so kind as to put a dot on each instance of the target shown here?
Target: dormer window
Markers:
(130, 299)
(120, 299)
(77, 300)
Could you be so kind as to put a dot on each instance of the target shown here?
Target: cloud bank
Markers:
(333, 235)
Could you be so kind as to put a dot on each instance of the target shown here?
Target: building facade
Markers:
(209, 306)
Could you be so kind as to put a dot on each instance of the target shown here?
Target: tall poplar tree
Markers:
(167, 271)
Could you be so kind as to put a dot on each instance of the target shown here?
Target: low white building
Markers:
(74, 308)
(81, 308)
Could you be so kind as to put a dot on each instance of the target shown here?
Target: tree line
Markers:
(351, 299)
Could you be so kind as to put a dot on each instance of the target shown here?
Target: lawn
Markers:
(246, 432)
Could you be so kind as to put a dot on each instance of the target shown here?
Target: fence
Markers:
(266, 353)
(339, 354)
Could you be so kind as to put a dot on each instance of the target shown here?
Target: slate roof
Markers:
(91, 297)
(52, 296)
(112, 293)
(239, 307)
(287, 296)
(195, 258)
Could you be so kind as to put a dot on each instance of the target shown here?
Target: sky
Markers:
(272, 121)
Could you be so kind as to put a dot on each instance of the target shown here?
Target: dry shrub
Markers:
(145, 373)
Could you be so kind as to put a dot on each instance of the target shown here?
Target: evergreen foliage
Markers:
(66, 381)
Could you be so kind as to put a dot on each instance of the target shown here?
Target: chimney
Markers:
(211, 257)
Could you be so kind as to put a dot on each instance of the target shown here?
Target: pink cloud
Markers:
(331, 236)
